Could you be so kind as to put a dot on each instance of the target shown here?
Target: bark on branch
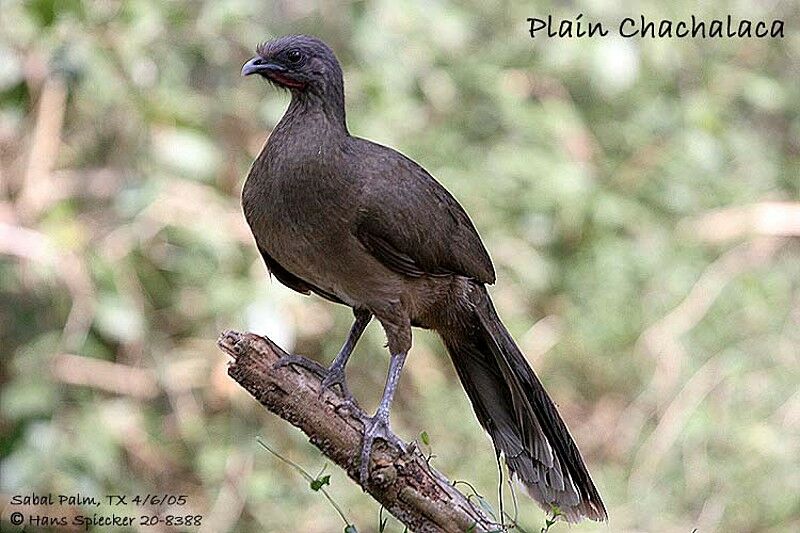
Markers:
(415, 493)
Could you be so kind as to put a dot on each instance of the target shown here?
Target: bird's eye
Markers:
(294, 56)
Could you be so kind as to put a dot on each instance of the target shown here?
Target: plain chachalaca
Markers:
(362, 225)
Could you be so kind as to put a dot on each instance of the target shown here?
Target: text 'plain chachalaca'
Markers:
(362, 225)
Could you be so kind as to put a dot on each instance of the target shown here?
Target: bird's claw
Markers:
(375, 427)
(335, 376)
(329, 378)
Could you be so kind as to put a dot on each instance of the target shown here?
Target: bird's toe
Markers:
(336, 377)
(376, 427)
(303, 362)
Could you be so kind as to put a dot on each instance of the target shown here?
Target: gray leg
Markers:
(378, 425)
(335, 374)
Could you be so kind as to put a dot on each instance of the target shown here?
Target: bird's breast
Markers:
(298, 213)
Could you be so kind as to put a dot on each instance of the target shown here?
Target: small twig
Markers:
(549, 522)
(775, 219)
(516, 504)
(500, 491)
(35, 194)
(308, 477)
(98, 374)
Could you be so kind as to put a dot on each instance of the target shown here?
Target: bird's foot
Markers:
(335, 376)
(303, 362)
(375, 427)
(329, 377)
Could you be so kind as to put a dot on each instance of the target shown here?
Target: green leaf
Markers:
(426, 440)
(320, 482)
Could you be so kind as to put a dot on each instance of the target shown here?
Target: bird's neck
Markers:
(324, 111)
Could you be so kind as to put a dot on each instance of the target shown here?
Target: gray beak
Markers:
(259, 65)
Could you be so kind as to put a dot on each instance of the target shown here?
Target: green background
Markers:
(639, 199)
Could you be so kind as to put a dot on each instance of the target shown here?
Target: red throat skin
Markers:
(286, 81)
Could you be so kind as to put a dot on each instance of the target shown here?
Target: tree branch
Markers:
(415, 493)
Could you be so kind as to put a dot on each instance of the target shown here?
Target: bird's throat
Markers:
(286, 81)
(312, 113)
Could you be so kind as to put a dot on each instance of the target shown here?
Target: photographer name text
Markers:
(140, 511)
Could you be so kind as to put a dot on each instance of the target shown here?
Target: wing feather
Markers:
(411, 223)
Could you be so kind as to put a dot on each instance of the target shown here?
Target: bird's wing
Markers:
(410, 223)
(292, 281)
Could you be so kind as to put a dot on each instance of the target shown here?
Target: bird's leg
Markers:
(378, 425)
(335, 374)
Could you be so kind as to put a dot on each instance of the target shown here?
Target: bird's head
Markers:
(299, 63)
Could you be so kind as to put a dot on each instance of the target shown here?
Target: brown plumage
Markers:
(360, 224)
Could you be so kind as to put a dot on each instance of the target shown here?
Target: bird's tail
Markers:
(513, 407)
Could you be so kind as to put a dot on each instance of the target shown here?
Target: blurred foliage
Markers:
(637, 197)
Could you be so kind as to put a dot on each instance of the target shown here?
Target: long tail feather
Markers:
(523, 422)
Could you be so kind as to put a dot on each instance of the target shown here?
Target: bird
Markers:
(360, 224)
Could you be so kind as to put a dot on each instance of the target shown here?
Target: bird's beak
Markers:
(259, 65)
